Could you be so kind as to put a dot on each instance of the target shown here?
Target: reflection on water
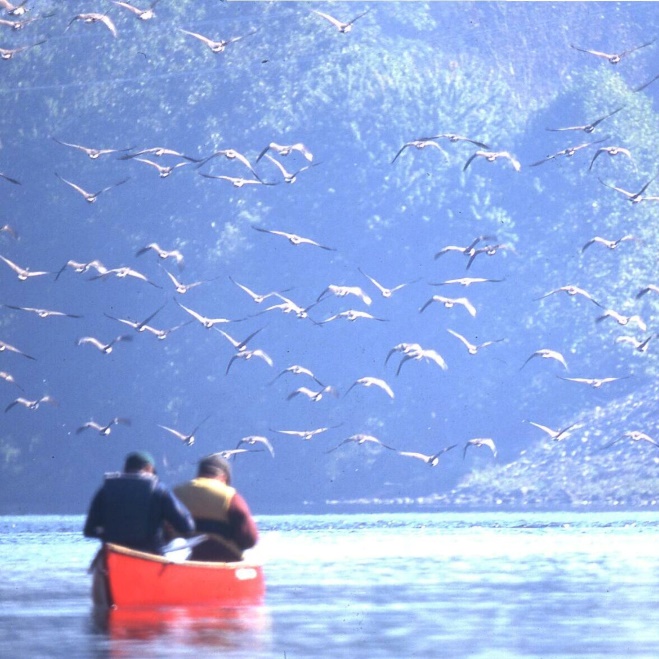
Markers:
(377, 586)
(235, 629)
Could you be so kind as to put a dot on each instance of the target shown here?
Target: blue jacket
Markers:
(130, 510)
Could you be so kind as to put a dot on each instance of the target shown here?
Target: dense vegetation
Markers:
(498, 73)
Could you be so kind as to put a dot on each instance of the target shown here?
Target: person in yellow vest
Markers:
(218, 511)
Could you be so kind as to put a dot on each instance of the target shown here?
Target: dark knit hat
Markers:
(214, 464)
(138, 460)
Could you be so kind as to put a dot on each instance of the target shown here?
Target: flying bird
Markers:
(295, 369)
(248, 354)
(8, 377)
(568, 152)
(306, 435)
(360, 439)
(545, 353)
(595, 383)
(471, 348)
(182, 288)
(368, 381)
(313, 396)
(257, 297)
(81, 267)
(5, 228)
(405, 348)
(612, 151)
(240, 346)
(208, 323)
(8, 53)
(587, 128)
(163, 253)
(187, 438)
(479, 442)
(42, 313)
(90, 197)
(647, 84)
(450, 302)
(633, 197)
(23, 273)
(253, 440)
(92, 153)
(159, 152)
(488, 250)
(467, 251)
(6, 347)
(139, 326)
(430, 460)
(465, 281)
(610, 244)
(387, 292)
(32, 404)
(293, 239)
(420, 144)
(105, 348)
(285, 150)
(491, 156)
(103, 429)
(557, 435)
(572, 291)
(623, 320)
(650, 288)
(122, 273)
(452, 137)
(342, 27)
(612, 58)
(163, 170)
(216, 46)
(635, 436)
(640, 345)
(143, 14)
(94, 18)
(237, 181)
(419, 354)
(342, 291)
(352, 315)
(289, 177)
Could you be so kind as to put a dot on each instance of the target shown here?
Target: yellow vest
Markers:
(208, 500)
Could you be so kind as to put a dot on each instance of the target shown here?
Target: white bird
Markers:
(467, 250)
(342, 27)
(105, 348)
(42, 313)
(142, 14)
(427, 354)
(240, 346)
(295, 369)
(545, 353)
(23, 273)
(351, 315)
(252, 440)
(612, 151)
(595, 383)
(430, 460)
(571, 291)
(306, 435)
(342, 291)
(248, 354)
(80, 267)
(94, 18)
(623, 320)
(122, 273)
(32, 404)
(257, 297)
(420, 144)
(612, 58)
(182, 288)
(91, 153)
(478, 442)
(368, 381)
(103, 429)
(465, 281)
(289, 177)
(471, 348)
(163, 253)
(557, 435)
(8, 377)
(294, 239)
(139, 326)
(237, 181)
(387, 292)
(5, 347)
(215, 46)
(285, 150)
(187, 438)
(313, 396)
(491, 156)
(641, 345)
(208, 323)
(650, 288)
(635, 436)
(163, 170)
(90, 197)
(610, 244)
(449, 302)
(405, 348)
(360, 439)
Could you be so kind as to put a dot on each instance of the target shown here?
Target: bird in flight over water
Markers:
(342, 27)
(612, 58)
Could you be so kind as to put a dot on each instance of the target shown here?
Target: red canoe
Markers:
(125, 578)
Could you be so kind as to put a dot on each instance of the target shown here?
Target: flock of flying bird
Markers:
(268, 168)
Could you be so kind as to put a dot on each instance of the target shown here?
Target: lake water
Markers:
(365, 585)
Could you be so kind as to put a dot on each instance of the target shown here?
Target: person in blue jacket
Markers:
(131, 508)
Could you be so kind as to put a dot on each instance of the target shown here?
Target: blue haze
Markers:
(498, 73)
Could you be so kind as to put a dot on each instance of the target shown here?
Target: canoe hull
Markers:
(125, 578)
